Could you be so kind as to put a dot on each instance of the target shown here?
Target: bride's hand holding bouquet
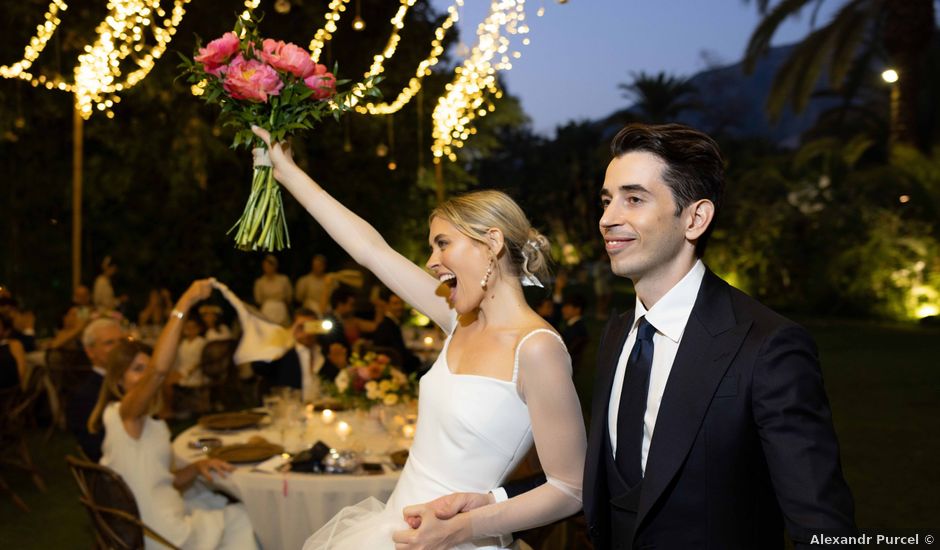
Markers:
(269, 84)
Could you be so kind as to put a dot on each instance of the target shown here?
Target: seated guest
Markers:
(311, 289)
(12, 356)
(342, 306)
(215, 330)
(24, 322)
(347, 327)
(158, 308)
(80, 312)
(98, 339)
(574, 330)
(137, 447)
(547, 310)
(189, 354)
(388, 333)
(304, 364)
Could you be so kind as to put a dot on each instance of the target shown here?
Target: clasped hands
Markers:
(439, 524)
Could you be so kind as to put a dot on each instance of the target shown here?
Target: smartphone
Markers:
(317, 327)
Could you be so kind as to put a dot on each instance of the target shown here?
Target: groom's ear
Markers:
(699, 215)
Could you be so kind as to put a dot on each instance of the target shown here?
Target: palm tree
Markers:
(899, 29)
(659, 98)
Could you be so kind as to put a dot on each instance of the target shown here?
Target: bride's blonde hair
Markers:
(473, 214)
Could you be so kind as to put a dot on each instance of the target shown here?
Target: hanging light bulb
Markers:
(392, 165)
(282, 6)
(381, 150)
(358, 23)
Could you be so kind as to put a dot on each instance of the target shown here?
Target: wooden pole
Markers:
(76, 197)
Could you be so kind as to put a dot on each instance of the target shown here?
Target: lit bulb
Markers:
(381, 150)
(358, 24)
(282, 6)
(890, 76)
(392, 165)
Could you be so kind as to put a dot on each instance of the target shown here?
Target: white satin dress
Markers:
(472, 432)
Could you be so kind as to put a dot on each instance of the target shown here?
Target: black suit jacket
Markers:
(285, 371)
(80, 405)
(743, 443)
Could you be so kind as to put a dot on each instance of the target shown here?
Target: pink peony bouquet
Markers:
(274, 85)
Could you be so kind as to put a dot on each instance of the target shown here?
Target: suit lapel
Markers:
(711, 339)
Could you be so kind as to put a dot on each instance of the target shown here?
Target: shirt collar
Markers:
(671, 313)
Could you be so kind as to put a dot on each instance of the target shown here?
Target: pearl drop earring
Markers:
(486, 278)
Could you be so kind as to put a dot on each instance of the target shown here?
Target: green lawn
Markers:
(883, 381)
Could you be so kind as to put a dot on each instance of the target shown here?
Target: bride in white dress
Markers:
(502, 381)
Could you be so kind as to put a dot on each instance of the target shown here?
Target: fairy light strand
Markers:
(36, 44)
(123, 34)
(467, 96)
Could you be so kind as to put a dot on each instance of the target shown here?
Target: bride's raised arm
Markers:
(359, 239)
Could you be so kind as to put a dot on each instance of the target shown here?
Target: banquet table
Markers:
(287, 507)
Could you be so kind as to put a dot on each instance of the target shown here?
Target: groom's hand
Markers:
(447, 506)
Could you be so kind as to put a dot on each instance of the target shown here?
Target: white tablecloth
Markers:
(286, 508)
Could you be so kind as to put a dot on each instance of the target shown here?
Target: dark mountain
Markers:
(732, 104)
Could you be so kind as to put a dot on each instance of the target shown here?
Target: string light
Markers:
(36, 44)
(466, 97)
(424, 69)
(325, 33)
(97, 77)
(358, 23)
(121, 35)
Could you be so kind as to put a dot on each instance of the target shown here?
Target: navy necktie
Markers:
(636, 383)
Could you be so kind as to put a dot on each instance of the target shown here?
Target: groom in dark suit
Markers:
(710, 425)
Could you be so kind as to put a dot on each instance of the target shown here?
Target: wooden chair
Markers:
(66, 368)
(16, 408)
(217, 365)
(111, 506)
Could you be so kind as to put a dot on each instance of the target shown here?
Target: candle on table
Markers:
(327, 416)
(343, 429)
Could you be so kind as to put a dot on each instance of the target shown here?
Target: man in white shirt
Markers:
(303, 365)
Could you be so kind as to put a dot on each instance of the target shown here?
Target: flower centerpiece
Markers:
(277, 86)
(371, 380)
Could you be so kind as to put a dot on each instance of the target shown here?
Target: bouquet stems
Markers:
(262, 225)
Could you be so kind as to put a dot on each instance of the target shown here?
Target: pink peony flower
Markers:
(251, 80)
(287, 57)
(217, 53)
(322, 82)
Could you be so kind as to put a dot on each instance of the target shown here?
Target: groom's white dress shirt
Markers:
(669, 315)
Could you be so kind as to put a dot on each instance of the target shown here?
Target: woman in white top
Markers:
(273, 292)
(311, 288)
(502, 381)
(137, 447)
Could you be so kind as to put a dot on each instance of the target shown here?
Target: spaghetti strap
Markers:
(515, 361)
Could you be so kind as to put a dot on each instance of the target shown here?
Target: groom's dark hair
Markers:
(694, 170)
